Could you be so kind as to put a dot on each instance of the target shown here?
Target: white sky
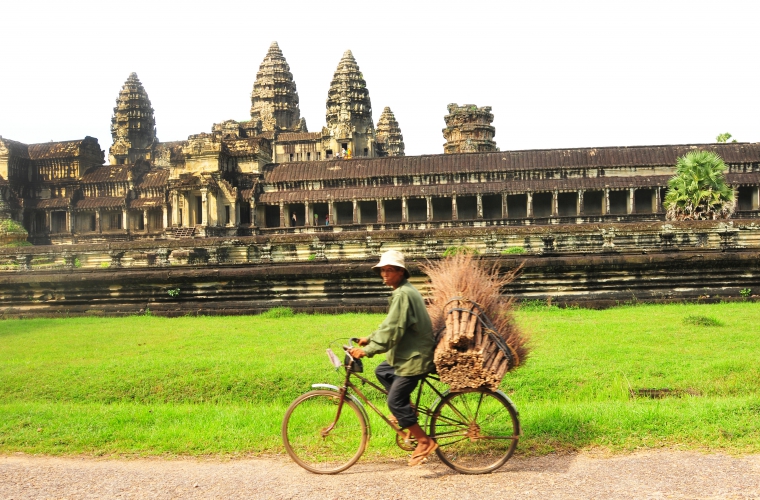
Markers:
(556, 73)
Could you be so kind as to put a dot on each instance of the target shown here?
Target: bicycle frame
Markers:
(349, 384)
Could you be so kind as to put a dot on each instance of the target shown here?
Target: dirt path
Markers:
(662, 474)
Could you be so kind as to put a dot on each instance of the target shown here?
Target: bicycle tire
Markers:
(306, 418)
(477, 431)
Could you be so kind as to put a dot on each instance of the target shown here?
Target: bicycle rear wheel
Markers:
(311, 445)
(476, 431)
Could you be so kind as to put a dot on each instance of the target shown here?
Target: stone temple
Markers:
(271, 175)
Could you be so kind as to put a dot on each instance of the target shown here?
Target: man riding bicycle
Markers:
(406, 335)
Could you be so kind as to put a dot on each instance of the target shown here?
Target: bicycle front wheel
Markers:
(476, 431)
(320, 440)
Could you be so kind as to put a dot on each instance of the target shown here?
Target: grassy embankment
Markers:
(220, 385)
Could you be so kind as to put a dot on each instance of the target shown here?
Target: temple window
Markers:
(619, 202)
(593, 203)
(744, 198)
(226, 214)
(645, 201)
(308, 156)
(542, 204)
(567, 204)
(491, 206)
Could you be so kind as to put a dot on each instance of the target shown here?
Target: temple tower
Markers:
(469, 130)
(349, 111)
(133, 127)
(274, 100)
(390, 142)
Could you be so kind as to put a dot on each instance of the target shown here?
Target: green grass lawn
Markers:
(220, 385)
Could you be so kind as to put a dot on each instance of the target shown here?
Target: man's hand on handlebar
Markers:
(357, 353)
(362, 341)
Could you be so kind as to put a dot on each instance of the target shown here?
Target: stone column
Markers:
(204, 205)
(555, 203)
(175, 209)
(98, 226)
(606, 202)
(658, 200)
(125, 219)
(145, 220)
(529, 210)
(70, 221)
(631, 201)
(253, 212)
(429, 203)
(479, 198)
(235, 213)
(454, 210)
(756, 199)
(308, 214)
(283, 219)
(579, 207)
(47, 221)
(165, 210)
(331, 212)
(504, 206)
(356, 212)
(380, 211)
(404, 210)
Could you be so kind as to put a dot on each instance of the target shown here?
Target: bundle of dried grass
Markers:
(478, 340)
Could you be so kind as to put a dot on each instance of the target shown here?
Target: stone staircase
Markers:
(184, 232)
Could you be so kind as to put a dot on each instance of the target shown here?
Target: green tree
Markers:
(699, 191)
(724, 137)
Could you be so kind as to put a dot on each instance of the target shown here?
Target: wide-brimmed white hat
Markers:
(391, 258)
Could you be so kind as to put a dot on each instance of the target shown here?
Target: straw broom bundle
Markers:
(478, 340)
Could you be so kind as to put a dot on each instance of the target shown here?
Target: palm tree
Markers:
(699, 190)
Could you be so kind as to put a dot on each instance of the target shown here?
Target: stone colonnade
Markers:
(504, 205)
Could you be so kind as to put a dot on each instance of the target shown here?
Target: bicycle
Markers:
(327, 430)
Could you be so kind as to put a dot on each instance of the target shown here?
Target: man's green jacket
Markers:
(406, 334)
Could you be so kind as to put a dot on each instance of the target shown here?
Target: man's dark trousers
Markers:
(399, 389)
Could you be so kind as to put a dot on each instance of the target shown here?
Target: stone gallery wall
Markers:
(593, 265)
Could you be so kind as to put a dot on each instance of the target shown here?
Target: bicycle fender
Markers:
(510, 403)
(353, 398)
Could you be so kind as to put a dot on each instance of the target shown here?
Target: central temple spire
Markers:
(349, 111)
(274, 100)
(348, 97)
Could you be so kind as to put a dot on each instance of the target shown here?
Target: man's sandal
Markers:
(419, 457)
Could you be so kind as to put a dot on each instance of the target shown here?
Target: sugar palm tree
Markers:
(699, 190)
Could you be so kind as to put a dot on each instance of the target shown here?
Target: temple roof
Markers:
(546, 159)
(47, 203)
(156, 177)
(299, 136)
(100, 202)
(14, 148)
(60, 149)
(107, 173)
(146, 203)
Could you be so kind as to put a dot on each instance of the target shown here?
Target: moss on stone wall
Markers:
(12, 234)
